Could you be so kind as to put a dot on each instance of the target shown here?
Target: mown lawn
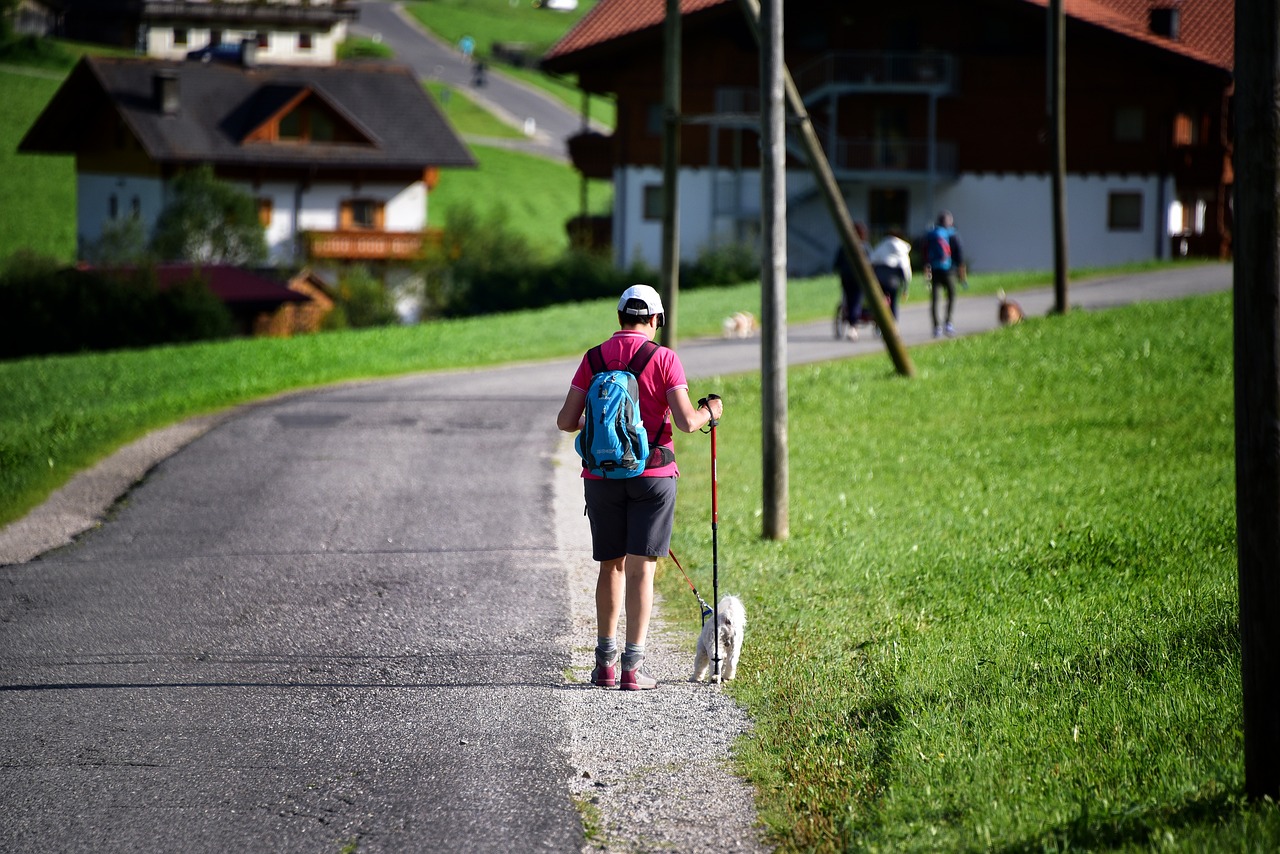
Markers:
(1005, 618)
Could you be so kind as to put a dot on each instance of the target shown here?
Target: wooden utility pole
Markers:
(671, 173)
(1257, 386)
(773, 276)
(1058, 122)
(834, 200)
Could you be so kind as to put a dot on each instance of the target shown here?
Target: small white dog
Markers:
(741, 324)
(732, 621)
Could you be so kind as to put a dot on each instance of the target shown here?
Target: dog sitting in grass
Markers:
(731, 620)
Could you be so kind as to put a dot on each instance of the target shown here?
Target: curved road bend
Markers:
(336, 617)
(510, 99)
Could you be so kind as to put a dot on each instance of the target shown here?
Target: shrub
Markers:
(731, 264)
(45, 309)
(363, 302)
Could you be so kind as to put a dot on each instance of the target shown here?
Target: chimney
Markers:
(164, 88)
(248, 52)
(1166, 22)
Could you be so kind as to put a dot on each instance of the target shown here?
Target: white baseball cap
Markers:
(642, 293)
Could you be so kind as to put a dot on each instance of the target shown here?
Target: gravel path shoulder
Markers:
(651, 770)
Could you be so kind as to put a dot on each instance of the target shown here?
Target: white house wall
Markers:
(1005, 221)
(282, 46)
(318, 207)
(94, 193)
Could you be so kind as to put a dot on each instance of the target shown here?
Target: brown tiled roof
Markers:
(612, 19)
(1207, 26)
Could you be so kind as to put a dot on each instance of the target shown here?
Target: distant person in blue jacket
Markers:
(943, 267)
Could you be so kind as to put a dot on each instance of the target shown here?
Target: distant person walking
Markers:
(467, 45)
(891, 261)
(849, 287)
(631, 517)
(943, 266)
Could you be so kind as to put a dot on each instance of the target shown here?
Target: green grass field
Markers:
(1005, 618)
(548, 195)
(37, 192)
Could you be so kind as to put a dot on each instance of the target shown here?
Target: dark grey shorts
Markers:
(630, 516)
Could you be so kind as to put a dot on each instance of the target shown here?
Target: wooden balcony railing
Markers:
(360, 245)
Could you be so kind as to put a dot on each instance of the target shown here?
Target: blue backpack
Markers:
(613, 442)
(938, 248)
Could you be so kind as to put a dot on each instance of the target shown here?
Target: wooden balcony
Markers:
(365, 245)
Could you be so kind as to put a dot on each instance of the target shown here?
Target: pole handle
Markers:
(703, 402)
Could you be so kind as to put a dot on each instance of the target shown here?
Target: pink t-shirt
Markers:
(663, 374)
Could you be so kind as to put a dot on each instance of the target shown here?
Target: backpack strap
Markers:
(595, 360)
(638, 363)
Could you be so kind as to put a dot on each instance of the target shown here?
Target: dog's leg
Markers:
(701, 664)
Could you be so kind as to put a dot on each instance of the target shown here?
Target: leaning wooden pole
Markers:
(773, 280)
(671, 174)
(839, 212)
(1257, 386)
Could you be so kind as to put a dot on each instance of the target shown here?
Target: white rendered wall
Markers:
(318, 207)
(282, 46)
(1004, 221)
(93, 203)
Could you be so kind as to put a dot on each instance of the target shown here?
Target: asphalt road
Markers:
(340, 616)
(510, 99)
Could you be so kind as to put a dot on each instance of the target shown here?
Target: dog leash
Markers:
(706, 609)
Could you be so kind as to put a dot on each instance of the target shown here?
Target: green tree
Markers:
(209, 221)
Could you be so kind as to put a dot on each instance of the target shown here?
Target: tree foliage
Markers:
(208, 221)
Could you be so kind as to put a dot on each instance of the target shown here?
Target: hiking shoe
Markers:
(637, 680)
(605, 674)
(937, 332)
(951, 330)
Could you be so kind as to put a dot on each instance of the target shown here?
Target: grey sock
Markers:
(632, 656)
(606, 649)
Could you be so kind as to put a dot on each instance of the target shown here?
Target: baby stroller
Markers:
(841, 325)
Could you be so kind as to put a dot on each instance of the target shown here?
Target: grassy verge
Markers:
(467, 117)
(1005, 616)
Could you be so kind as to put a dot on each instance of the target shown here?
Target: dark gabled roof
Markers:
(1207, 32)
(232, 285)
(394, 122)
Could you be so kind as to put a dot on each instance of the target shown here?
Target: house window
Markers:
(135, 208)
(215, 38)
(1124, 211)
(1184, 130)
(179, 36)
(290, 125)
(263, 40)
(653, 197)
(113, 206)
(305, 41)
(264, 211)
(322, 127)
(654, 120)
(1130, 125)
(362, 213)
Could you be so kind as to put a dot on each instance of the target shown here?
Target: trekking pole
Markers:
(715, 539)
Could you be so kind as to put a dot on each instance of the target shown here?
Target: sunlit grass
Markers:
(1006, 614)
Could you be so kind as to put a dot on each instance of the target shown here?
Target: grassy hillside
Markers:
(536, 196)
(37, 192)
